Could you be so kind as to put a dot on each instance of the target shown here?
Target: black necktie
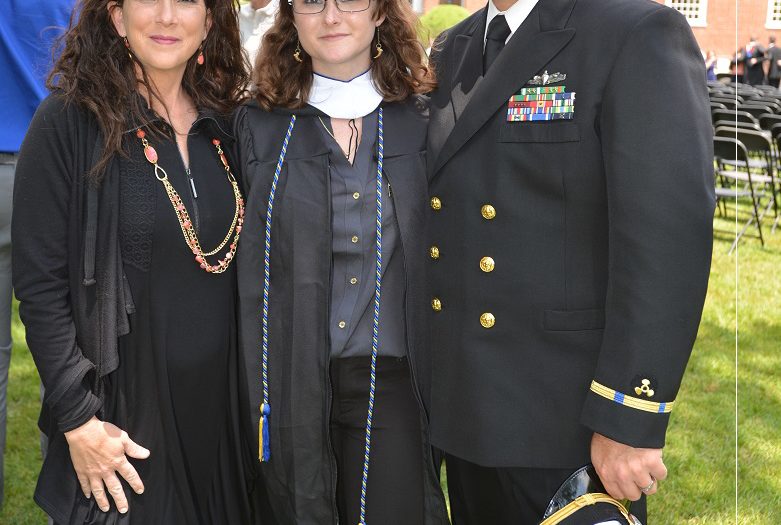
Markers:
(498, 31)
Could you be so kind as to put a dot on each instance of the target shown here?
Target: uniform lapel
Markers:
(541, 36)
(468, 46)
(465, 67)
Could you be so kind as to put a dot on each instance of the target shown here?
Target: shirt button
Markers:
(342, 324)
(436, 304)
(356, 195)
(434, 252)
(354, 239)
(436, 203)
(487, 264)
(354, 280)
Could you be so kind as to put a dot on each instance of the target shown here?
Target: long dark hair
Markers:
(96, 71)
(402, 69)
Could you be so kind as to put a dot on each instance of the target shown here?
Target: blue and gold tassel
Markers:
(264, 448)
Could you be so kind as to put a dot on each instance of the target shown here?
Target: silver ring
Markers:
(645, 490)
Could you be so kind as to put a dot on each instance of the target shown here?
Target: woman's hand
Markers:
(99, 451)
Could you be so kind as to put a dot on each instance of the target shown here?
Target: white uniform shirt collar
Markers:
(515, 15)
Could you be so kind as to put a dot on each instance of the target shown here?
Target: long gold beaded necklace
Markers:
(190, 237)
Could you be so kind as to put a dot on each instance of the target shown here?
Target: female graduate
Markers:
(331, 269)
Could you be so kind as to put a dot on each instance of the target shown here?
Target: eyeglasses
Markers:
(313, 7)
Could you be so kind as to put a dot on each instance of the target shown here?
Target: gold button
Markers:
(488, 211)
(487, 264)
(342, 324)
(354, 280)
(436, 203)
(487, 320)
(356, 195)
(434, 252)
(436, 304)
(354, 239)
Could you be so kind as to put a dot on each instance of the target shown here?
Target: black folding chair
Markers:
(762, 160)
(765, 88)
(731, 124)
(740, 93)
(767, 120)
(735, 183)
(755, 109)
(733, 116)
(773, 103)
(717, 105)
(730, 102)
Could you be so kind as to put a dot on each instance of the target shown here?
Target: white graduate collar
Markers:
(344, 99)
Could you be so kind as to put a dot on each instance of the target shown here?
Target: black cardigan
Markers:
(67, 275)
(73, 318)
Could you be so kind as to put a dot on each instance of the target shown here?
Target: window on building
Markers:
(695, 11)
(773, 14)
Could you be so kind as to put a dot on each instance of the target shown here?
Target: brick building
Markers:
(713, 21)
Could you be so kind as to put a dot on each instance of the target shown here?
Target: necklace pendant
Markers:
(159, 171)
(151, 154)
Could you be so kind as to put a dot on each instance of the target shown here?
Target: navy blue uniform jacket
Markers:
(600, 235)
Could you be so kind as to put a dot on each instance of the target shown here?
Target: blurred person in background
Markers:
(710, 65)
(753, 58)
(774, 62)
(255, 18)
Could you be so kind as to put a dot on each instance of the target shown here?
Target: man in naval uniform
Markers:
(571, 186)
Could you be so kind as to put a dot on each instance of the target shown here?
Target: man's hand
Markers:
(99, 451)
(626, 470)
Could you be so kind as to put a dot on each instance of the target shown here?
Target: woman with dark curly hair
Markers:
(331, 283)
(126, 219)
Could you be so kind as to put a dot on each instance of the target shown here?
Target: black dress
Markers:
(176, 389)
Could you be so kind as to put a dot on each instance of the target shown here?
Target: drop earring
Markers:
(200, 58)
(127, 46)
(378, 47)
(297, 52)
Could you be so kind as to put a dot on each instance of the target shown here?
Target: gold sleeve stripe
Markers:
(631, 402)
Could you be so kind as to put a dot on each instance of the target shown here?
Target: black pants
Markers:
(395, 486)
(506, 496)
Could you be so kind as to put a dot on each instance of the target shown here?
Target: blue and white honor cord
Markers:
(264, 441)
(264, 451)
(375, 324)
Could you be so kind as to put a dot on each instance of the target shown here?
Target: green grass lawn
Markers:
(700, 452)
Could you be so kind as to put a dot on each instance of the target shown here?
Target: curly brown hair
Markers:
(96, 71)
(401, 71)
